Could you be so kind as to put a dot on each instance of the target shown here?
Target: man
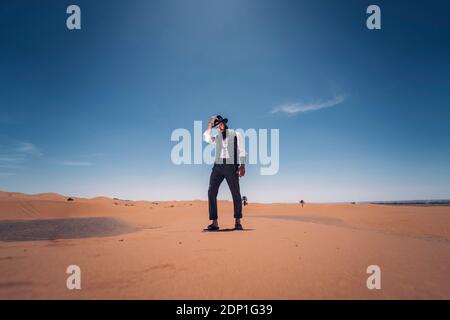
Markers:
(229, 165)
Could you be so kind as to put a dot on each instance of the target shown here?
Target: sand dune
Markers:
(288, 252)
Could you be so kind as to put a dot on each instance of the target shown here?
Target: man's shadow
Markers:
(227, 230)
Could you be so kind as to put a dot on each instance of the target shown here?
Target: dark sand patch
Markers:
(340, 223)
(313, 219)
(70, 228)
(13, 284)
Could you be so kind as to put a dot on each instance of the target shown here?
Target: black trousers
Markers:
(228, 172)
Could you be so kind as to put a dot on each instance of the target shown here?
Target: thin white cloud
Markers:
(74, 163)
(92, 155)
(28, 148)
(295, 108)
(12, 158)
(10, 166)
(16, 155)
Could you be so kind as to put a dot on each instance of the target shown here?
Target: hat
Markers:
(219, 120)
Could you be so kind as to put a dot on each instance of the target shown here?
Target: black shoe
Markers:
(212, 227)
(238, 226)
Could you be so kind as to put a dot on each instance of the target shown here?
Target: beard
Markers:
(224, 133)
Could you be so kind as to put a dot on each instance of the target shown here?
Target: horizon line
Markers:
(410, 201)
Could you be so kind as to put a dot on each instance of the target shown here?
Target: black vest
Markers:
(231, 142)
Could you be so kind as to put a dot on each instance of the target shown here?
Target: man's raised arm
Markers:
(207, 134)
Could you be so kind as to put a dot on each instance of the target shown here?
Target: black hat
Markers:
(218, 120)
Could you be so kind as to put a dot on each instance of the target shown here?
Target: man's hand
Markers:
(241, 171)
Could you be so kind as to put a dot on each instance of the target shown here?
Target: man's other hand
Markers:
(241, 171)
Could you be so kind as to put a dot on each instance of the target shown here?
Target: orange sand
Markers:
(316, 252)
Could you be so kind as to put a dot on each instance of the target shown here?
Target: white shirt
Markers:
(225, 154)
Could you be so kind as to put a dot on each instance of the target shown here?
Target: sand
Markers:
(157, 250)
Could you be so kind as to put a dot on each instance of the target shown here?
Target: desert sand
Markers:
(158, 250)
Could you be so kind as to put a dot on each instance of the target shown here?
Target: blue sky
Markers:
(90, 112)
